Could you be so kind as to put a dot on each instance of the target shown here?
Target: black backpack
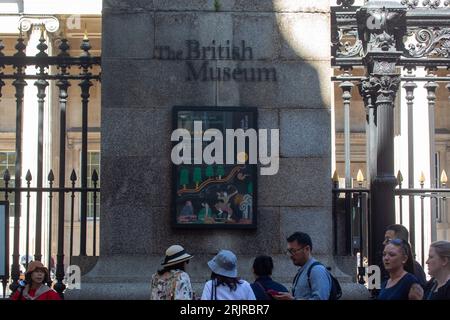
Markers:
(336, 290)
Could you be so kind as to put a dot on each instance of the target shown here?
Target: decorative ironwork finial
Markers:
(94, 176)
(399, 177)
(20, 30)
(42, 28)
(85, 35)
(20, 45)
(28, 176)
(444, 178)
(73, 176)
(63, 52)
(360, 177)
(422, 178)
(6, 176)
(51, 176)
(42, 46)
(335, 177)
(63, 48)
(85, 45)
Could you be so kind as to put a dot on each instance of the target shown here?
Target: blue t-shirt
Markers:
(401, 289)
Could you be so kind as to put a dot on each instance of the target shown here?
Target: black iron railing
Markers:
(438, 196)
(63, 78)
(352, 219)
(75, 195)
(351, 216)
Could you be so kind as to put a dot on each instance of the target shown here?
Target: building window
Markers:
(93, 164)
(8, 161)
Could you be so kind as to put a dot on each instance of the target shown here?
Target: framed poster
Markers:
(221, 194)
(4, 238)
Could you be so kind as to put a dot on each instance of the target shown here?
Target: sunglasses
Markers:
(397, 242)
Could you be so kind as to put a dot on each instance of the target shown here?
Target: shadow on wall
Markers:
(297, 45)
(290, 36)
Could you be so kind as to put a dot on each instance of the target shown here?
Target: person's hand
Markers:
(283, 296)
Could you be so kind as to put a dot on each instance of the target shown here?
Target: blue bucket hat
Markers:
(224, 264)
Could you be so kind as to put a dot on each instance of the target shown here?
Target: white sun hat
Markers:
(175, 254)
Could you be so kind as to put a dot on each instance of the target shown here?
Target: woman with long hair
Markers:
(398, 262)
(224, 283)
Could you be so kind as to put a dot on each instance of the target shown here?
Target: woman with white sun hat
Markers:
(172, 282)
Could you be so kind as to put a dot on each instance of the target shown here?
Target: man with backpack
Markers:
(312, 281)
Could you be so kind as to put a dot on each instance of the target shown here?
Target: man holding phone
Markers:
(315, 287)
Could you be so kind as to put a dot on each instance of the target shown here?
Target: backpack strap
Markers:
(268, 296)
(309, 271)
(213, 289)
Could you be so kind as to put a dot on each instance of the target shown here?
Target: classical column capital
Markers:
(27, 22)
(381, 88)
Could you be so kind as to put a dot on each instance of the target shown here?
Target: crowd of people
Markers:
(403, 278)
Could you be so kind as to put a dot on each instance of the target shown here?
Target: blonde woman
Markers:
(398, 262)
(438, 288)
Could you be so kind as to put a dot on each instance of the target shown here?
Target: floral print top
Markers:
(172, 285)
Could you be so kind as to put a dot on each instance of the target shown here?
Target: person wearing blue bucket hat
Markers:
(224, 283)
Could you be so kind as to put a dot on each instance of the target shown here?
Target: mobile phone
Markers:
(272, 292)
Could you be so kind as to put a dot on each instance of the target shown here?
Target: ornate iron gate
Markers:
(63, 61)
(379, 39)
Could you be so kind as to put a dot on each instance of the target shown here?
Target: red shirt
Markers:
(49, 295)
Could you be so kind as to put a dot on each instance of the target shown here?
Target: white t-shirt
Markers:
(243, 292)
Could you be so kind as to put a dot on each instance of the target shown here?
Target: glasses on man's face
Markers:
(293, 251)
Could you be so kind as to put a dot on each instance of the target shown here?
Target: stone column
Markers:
(381, 26)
